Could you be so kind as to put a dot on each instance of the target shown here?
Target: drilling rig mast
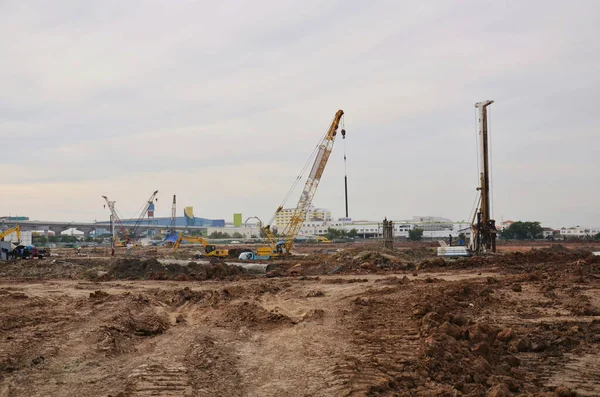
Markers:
(173, 215)
(483, 227)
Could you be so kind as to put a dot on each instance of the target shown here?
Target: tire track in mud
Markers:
(159, 380)
(545, 314)
(580, 373)
(387, 345)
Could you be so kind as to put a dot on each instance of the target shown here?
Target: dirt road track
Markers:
(433, 334)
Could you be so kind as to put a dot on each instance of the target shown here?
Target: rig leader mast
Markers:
(483, 228)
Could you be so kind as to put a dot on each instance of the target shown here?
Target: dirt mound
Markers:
(124, 328)
(252, 315)
(418, 253)
(152, 269)
(135, 268)
(358, 260)
(46, 269)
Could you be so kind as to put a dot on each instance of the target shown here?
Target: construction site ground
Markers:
(350, 320)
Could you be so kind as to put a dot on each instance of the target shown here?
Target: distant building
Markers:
(433, 227)
(72, 232)
(579, 232)
(283, 217)
(549, 232)
(165, 222)
(14, 218)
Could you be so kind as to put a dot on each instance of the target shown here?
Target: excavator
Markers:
(16, 229)
(284, 247)
(209, 249)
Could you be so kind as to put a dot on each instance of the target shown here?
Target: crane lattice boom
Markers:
(312, 182)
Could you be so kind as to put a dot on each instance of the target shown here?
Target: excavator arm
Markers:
(16, 229)
(209, 249)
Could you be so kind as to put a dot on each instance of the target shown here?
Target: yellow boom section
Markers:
(16, 229)
(209, 249)
(312, 183)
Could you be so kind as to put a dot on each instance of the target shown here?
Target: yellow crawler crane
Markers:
(209, 249)
(284, 247)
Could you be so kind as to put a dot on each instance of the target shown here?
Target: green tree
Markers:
(333, 234)
(597, 237)
(219, 235)
(522, 231)
(415, 234)
(238, 235)
(53, 239)
(41, 239)
(353, 233)
(89, 239)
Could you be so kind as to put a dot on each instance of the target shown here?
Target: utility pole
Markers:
(483, 232)
(173, 215)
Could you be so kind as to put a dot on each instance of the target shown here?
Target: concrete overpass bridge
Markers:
(86, 227)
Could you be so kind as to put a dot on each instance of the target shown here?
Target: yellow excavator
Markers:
(16, 229)
(284, 246)
(209, 249)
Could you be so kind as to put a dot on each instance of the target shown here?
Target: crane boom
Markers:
(143, 213)
(312, 182)
(116, 218)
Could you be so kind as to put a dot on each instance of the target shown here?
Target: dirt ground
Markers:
(355, 321)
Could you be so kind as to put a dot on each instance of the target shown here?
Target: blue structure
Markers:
(179, 221)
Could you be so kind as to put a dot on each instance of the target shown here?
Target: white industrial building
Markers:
(245, 231)
(579, 232)
(283, 217)
(433, 227)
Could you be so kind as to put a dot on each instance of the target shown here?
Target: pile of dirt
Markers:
(152, 269)
(419, 253)
(251, 315)
(46, 269)
(358, 261)
(476, 356)
(556, 254)
(129, 324)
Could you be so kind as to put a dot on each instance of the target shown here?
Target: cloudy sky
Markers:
(222, 102)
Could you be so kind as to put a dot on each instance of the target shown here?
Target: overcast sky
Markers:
(222, 102)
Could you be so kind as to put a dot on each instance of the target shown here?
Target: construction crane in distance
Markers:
(116, 220)
(298, 217)
(140, 218)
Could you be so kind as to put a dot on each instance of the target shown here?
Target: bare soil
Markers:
(352, 322)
